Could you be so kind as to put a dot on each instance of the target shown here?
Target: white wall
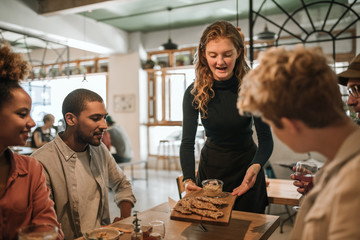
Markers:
(124, 79)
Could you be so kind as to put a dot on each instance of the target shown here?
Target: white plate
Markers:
(108, 234)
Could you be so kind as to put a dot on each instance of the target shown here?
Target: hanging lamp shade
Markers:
(169, 44)
(265, 35)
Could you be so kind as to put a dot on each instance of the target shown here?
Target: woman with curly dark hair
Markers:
(24, 196)
(229, 153)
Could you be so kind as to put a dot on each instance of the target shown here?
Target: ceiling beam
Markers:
(72, 30)
(61, 7)
(164, 9)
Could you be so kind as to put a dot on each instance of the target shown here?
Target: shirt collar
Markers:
(65, 150)
(227, 84)
(346, 152)
(17, 167)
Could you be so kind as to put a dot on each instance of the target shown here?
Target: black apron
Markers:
(229, 164)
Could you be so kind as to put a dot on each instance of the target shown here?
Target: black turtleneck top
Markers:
(223, 126)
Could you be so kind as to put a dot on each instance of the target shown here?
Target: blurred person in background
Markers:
(45, 133)
(24, 196)
(106, 139)
(297, 94)
(121, 142)
(61, 126)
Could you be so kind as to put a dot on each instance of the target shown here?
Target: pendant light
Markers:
(169, 44)
(84, 79)
(265, 35)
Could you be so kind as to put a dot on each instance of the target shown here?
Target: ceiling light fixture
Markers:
(265, 35)
(84, 79)
(237, 13)
(169, 44)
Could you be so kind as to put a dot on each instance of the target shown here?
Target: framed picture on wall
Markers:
(124, 103)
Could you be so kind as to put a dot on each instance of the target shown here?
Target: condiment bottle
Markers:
(137, 234)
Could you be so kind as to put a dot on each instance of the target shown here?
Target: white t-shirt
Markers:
(88, 193)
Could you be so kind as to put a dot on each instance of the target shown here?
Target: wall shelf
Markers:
(172, 58)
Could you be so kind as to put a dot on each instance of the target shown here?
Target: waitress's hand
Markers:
(249, 180)
(190, 186)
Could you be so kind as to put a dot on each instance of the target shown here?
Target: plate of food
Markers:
(103, 234)
(196, 207)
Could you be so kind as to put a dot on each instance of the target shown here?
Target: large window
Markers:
(48, 95)
(166, 90)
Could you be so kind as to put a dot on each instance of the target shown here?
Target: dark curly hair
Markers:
(12, 69)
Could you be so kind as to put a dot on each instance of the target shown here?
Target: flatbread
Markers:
(217, 202)
(201, 206)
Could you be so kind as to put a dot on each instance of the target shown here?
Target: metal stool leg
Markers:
(287, 219)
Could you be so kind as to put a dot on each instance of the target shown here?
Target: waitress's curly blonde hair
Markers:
(204, 80)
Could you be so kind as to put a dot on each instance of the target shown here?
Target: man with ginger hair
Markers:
(296, 93)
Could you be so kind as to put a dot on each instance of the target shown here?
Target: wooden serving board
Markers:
(224, 220)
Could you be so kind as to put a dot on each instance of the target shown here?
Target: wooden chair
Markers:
(180, 185)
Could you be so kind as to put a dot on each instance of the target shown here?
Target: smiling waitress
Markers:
(229, 153)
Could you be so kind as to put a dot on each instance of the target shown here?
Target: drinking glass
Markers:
(305, 171)
(158, 230)
(38, 231)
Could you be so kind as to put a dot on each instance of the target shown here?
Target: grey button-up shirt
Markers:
(59, 167)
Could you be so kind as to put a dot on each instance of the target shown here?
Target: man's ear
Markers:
(70, 119)
(293, 126)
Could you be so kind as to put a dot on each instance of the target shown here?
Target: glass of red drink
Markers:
(305, 171)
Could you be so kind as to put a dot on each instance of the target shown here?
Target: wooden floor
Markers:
(162, 184)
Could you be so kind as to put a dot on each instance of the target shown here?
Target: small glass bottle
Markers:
(137, 234)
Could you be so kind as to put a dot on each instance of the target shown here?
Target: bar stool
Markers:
(164, 154)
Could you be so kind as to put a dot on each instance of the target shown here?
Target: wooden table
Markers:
(242, 225)
(282, 191)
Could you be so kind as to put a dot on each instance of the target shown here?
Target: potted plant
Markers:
(180, 60)
(149, 64)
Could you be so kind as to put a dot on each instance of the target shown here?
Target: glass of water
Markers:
(39, 231)
(158, 230)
